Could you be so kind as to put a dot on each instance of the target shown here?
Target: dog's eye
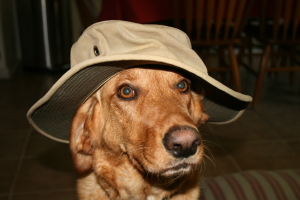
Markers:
(183, 86)
(126, 92)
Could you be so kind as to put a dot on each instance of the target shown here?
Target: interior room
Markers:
(35, 42)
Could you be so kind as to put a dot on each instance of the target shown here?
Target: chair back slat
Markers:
(220, 17)
(209, 18)
(277, 17)
(287, 17)
(229, 14)
(239, 17)
(199, 17)
(189, 16)
(262, 17)
(296, 19)
(176, 14)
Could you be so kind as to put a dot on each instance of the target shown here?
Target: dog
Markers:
(137, 137)
(131, 107)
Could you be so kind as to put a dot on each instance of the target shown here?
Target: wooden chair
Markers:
(279, 36)
(214, 24)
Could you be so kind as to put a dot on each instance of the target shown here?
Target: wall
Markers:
(10, 53)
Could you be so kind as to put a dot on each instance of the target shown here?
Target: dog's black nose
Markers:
(182, 142)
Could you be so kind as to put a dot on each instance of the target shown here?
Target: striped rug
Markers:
(253, 185)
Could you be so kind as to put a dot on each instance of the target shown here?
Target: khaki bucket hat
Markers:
(105, 49)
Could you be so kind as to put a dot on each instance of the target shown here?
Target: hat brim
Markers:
(52, 115)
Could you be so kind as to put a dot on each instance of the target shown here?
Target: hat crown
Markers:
(113, 38)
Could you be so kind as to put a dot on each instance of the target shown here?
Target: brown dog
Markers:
(137, 137)
(135, 128)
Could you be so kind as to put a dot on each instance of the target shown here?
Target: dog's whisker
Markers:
(211, 160)
(202, 166)
(175, 178)
(215, 144)
(207, 150)
(208, 156)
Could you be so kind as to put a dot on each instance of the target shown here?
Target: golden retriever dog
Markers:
(131, 107)
(137, 137)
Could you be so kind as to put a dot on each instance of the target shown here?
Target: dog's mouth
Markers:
(179, 169)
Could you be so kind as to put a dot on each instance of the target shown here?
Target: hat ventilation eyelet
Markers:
(96, 51)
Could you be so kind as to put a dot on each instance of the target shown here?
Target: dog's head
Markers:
(148, 114)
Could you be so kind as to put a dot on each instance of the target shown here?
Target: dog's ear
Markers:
(85, 126)
(196, 109)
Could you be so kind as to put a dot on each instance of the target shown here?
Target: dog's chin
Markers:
(177, 170)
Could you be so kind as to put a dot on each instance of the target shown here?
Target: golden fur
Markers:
(117, 146)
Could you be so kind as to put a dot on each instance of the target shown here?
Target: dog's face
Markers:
(150, 115)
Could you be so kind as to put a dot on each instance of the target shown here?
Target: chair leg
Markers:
(291, 78)
(235, 69)
(242, 50)
(261, 75)
(250, 54)
(292, 59)
(222, 62)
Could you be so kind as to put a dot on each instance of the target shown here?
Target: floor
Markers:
(35, 167)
